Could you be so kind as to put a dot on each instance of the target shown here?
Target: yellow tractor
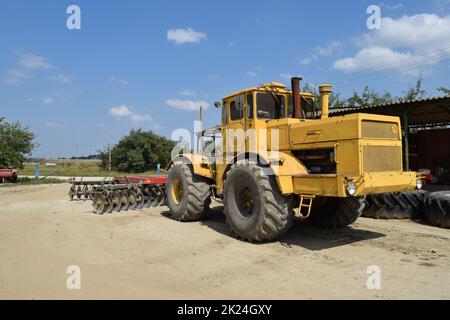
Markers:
(282, 156)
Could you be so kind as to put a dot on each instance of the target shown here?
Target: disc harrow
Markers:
(120, 193)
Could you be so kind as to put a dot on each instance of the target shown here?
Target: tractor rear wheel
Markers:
(255, 209)
(395, 205)
(188, 195)
(436, 209)
(334, 213)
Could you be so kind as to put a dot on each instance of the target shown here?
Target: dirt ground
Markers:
(145, 255)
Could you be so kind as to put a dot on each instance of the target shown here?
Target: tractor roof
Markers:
(275, 87)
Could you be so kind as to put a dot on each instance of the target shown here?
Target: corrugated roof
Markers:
(421, 112)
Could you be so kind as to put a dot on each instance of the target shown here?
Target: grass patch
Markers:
(31, 181)
(69, 168)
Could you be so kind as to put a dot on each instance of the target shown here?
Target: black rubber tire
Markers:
(395, 205)
(196, 196)
(335, 213)
(270, 215)
(436, 209)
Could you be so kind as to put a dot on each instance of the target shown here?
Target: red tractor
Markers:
(8, 175)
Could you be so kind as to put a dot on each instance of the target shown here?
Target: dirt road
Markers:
(144, 254)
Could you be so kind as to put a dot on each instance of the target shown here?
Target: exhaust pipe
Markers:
(295, 84)
(325, 90)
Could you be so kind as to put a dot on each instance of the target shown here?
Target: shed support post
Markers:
(406, 138)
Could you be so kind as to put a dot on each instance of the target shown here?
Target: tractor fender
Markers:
(283, 166)
(200, 164)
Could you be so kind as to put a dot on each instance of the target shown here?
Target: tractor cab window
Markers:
(250, 106)
(225, 113)
(309, 107)
(236, 112)
(270, 106)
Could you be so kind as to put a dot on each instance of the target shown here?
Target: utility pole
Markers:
(76, 154)
(109, 154)
(200, 140)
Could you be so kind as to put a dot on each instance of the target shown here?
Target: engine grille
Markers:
(379, 130)
(382, 158)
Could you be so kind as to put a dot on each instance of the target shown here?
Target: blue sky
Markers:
(147, 64)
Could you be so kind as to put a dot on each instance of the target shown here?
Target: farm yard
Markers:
(143, 254)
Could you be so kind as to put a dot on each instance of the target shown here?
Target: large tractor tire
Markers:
(436, 209)
(188, 195)
(255, 209)
(334, 213)
(395, 205)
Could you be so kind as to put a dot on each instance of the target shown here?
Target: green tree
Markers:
(368, 97)
(334, 100)
(444, 90)
(16, 143)
(414, 93)
(138, 151)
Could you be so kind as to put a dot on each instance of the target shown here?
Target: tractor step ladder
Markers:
(306, 202)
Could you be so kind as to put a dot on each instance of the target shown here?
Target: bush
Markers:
(139, 151)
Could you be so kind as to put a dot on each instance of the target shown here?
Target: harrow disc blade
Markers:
(125, 202)
(116, 201)
(139, 199)
(71, 192)
(147, 198)
(79, 193)
(132, 200)
(99, 204)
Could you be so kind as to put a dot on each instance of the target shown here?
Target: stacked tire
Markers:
(436, 209)
(395, 205)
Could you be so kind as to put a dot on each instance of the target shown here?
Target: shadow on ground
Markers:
(301, 234)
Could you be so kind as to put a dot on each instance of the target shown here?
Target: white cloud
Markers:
(320, 51)
(120, 111)
(181, 36)
(251, 73)
(62, 78)
(32, 61)
(54, 125)
(118, 81)
(407, 43)
(14, 76)
(369, 58)
(124, 111)
(186, 104)
(187, 93)
(47, 100)
(140, 117)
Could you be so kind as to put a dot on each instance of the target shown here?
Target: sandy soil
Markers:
(144, 254)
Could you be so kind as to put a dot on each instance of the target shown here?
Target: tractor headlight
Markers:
(419, 184)
(351, 188)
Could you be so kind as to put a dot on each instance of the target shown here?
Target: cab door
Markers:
(236, 127)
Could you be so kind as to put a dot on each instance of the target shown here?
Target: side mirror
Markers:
(217, 104)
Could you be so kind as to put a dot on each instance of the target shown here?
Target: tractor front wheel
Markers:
(255, 209)
(188, 195)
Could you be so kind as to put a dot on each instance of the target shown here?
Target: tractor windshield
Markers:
(270, 105)
(309, 108)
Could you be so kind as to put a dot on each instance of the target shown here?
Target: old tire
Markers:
(395, 205)
(334, 213)
(188, 195)
(255, 209)
(436, 209)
